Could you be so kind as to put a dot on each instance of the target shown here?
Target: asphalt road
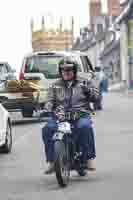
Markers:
(21, 172)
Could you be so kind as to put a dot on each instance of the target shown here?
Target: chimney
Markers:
(43, 23)
(72, 24)
(60, 24)
(95, 8)
(114, 8)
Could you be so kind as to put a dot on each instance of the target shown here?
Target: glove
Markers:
(43, 113)
(60, 108)
(60, 113)
(94, 91)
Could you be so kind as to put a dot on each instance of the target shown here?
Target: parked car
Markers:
(5, 131)
(6, 73)
(42, 68)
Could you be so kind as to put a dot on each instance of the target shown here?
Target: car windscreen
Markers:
(48, 65)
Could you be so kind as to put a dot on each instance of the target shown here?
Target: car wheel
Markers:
(6, 148)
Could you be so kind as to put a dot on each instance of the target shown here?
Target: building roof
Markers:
(87, 43)
(109, 48)
(83, 46)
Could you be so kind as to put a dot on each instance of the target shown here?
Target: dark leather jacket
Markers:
(75, 96)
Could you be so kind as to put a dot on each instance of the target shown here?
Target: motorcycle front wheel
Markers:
(62, 169)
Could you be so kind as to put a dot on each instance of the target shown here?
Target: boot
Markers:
(82, 171)
(50, 168)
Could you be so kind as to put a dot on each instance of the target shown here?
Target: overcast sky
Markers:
(15, 18)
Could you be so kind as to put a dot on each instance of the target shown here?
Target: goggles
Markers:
(66, 67)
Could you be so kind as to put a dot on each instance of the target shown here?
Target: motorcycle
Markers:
(67, 154)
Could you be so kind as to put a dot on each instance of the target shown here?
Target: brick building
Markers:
(47, 40)
(113, 7)
(95, 9)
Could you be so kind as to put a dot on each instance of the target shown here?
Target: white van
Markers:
(5, 131)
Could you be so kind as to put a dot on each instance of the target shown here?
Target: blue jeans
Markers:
(85, 138)
(104, 85)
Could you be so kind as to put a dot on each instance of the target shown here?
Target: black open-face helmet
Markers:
(68, 63)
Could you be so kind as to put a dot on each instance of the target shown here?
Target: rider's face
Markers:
(67, 74)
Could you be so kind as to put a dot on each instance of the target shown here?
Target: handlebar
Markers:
(45, 113)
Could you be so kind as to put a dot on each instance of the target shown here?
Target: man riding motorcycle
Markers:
(71, 92)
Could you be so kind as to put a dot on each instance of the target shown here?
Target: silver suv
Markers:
(6, 73)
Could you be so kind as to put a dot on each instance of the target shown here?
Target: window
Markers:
(48, 65)
(3, 69)
(99, 28)
(86, 64)
(84, 61)
(8, 68)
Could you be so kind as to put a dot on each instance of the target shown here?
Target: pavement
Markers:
(114, 87)
(21, 172)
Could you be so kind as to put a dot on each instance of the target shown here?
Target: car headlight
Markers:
(43, 94)
(35, 95)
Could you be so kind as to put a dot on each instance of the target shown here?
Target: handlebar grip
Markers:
(45, 114)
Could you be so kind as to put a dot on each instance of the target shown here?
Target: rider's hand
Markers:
(60, 112)
(42, 113)
(60, 115)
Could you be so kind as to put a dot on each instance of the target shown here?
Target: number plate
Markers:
(58, 136)
(64, 127)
